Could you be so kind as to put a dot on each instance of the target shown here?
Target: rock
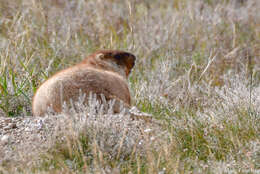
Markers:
(9, 120)
(13, 126)
(5, 139)
(10, 126)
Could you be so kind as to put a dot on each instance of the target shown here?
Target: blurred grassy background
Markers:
(198, 67)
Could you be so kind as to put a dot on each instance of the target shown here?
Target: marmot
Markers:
(104, 72)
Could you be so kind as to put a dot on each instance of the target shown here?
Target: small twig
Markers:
(208, 65)
(148, 118)
(251, 79)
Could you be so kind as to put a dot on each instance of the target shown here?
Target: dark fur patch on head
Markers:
(121, 58)
(125, 58)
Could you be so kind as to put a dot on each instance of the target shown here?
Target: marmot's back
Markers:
(66, 85)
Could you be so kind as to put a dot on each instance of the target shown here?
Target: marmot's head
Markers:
(118, 61)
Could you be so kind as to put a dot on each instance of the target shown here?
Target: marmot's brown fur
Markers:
(104, 72)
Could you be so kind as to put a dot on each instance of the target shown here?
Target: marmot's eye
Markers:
(119, 56)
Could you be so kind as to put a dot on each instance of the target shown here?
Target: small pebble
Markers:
(8, 120)
(5, 139)
(12, 126)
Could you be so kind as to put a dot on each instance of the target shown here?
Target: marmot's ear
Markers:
(100, 56)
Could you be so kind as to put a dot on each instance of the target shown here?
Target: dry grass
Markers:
(198, 69)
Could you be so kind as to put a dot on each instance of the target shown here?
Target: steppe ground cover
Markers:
(198, 72)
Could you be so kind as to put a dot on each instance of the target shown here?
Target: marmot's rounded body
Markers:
(104, 72)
